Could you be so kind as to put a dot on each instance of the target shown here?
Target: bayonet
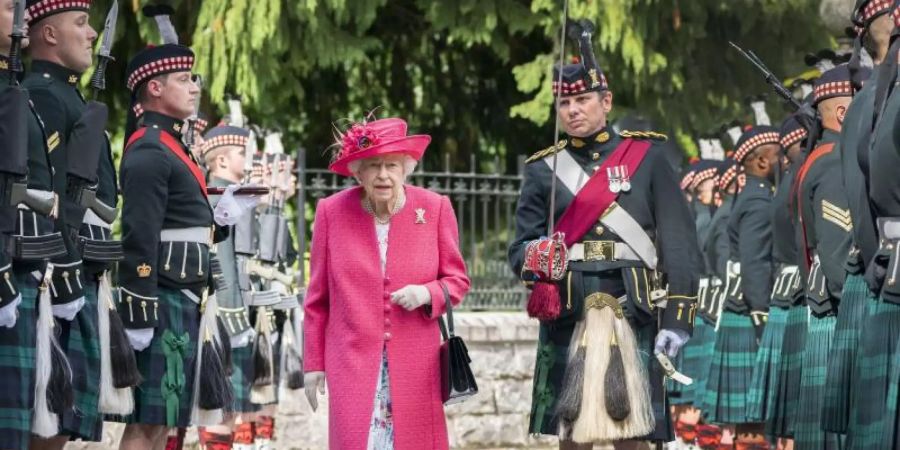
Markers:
(15, 50)
(104, 54)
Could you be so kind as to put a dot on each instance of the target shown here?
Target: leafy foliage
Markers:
(472, 73)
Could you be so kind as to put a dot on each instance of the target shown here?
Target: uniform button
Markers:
(599, 230)
(387, 336)
(595, 156)
(387, 307)
(387, 322)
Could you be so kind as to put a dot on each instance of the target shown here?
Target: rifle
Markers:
(189, 138)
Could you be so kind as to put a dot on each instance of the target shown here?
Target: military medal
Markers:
(626, 181)
(615, 185)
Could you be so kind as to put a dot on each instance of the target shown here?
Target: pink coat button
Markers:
(387, 336)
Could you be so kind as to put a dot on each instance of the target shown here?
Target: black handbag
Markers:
(457, 380)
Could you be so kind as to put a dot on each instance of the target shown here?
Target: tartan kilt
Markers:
(839, 378)
(725, 400)
(179, 315)
(17, 358)
(878, 347)
(552, 357)
(892, 426)
(764, 383)
(695, 363)
(242, 379)
(781, 424)
(80, 340)
(808, 433)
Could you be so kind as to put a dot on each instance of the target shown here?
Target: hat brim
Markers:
(412, 146)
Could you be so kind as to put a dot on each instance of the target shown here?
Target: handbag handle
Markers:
(447, 334)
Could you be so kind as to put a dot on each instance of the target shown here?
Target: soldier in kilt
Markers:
(874, 420)
(874, 25)
(825, 241)
(167, 229)
(571, 302)
(769, 394)
(55, 71)
(743, 319)
(23, 221)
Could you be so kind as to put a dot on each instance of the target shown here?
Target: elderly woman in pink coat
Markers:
(384, 263)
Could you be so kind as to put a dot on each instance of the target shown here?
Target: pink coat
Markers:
(350, 318)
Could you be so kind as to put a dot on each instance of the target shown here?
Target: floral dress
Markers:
(381, 428)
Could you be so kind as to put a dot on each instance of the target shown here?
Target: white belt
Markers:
(621, 252)
(889, 228)
(200, 235)
(91, 218)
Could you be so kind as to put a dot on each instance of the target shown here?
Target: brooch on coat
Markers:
(420, 215)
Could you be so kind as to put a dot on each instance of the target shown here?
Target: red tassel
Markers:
(543, 303)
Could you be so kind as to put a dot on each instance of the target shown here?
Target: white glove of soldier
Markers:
(9, 313)
(411, 296)
(312, 382)
(231, 207)
(139, 337)
(670, 341)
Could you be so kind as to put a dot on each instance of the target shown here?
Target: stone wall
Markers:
(502, 347)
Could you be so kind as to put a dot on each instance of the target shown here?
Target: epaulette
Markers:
(547, 151)
(644, 135)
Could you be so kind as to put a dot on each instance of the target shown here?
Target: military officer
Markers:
(842, 384)
(825, 226)
(607, 262)
(167, 229)
(61, 51)
(28, 238)
(770, 397)
(742, 321)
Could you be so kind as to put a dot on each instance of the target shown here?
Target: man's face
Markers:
(705, 191)
(765, 159)
(74, 39)
(235, 157)
(584, 114)
(177, 93)
(7, 11)
(794, 153)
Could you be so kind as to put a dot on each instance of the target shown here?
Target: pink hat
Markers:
(376, 138)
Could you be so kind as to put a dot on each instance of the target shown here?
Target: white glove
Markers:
(670, 341)
(9, 313)
(139, 337)
(411, 296)
(231, 207)
(244, 339)
(67, 311)
(312, 382)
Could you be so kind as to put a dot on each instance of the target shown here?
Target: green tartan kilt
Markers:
(891, 437)
(695, 364)
(552, 357)
(878, 348)
(764, 383)
(781, 424)
(839, 378)
(242, 379)
(179, 317)
(17, 357)
(80, 340)
(808, 433)
(725, 400)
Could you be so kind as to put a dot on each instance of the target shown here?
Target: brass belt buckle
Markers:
(599, 251)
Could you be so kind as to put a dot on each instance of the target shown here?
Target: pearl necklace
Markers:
(398, 205)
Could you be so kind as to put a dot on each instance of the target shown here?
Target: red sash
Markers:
(595, 197)
(175, 147)
(819, 152)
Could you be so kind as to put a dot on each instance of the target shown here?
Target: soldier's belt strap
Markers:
(200, 235)
(889, 228)
(91, 218)
(101, 250)
(629, 230)
(602, 251)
